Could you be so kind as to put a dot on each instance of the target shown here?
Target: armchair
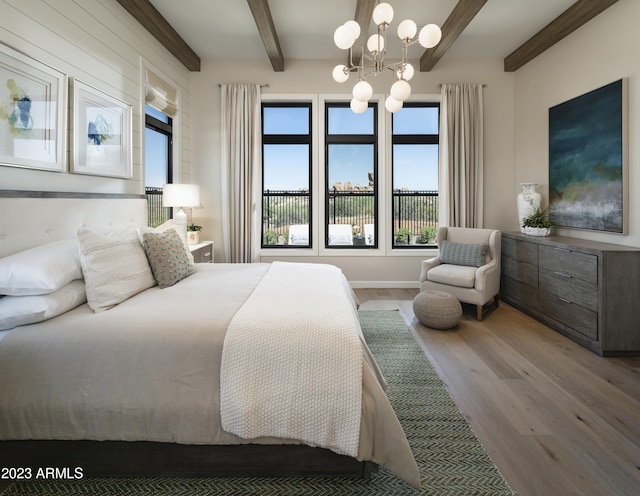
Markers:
(460, 269)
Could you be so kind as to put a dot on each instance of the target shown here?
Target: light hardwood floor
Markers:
(556, 418)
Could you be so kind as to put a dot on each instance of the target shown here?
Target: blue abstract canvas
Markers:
(586, 160)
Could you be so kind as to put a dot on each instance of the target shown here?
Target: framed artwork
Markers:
(101, 143)
(33, 111)
(588, 160)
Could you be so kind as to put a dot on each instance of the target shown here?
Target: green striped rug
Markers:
(451, 459)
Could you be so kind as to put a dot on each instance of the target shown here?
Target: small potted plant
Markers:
(537, 223)
(403, 236)
(193, 234)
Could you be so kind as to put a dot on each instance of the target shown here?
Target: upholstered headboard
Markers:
(33, 218)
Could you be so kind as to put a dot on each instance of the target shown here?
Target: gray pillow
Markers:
(470, 254)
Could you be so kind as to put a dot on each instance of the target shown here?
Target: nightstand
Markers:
(202, 252)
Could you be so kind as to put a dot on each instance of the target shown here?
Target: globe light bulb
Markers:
(375, 43)
(392, 105)
(430, 36)
(401, 90)
(407, 73)
(382, 14)
(355, 27)
(357, 106)
(340, 73)
(407, 29)
(362, 91)
(344, 37)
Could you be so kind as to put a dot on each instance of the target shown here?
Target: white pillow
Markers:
(170, 224)
(40, 270)
(21, 310)
(115, 267)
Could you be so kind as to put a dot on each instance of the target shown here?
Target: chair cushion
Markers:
(471, 254)
(453, 275)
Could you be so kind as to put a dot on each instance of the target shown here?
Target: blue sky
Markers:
(286, 166)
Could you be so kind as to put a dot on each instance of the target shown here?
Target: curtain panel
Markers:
(241, 170)
(462, 154)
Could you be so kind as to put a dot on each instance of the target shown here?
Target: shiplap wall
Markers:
(98, 42)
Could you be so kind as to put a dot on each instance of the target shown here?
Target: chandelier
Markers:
(374, 63)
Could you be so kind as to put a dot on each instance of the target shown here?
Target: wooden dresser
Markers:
(587, 290)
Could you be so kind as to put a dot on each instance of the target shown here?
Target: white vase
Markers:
(193, 237)
(528, 201)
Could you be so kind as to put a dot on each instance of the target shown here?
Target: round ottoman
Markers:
(437, 309)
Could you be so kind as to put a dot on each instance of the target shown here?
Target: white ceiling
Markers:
(225, 29)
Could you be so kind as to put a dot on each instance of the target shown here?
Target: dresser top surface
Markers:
(568, 243)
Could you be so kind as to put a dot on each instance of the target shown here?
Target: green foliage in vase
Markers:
(538, 218)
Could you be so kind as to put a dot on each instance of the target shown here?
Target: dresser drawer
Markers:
(511, 288)
(521, 271)
(571, 263)
(582, 320)
(520, 250)
(569, 288)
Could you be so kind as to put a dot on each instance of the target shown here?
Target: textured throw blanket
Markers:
(292, 360)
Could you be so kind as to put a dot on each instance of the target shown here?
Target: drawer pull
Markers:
(564, 300)
(207, 255)
(562, 274)
(566, 250)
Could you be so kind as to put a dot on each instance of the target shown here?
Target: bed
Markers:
(167, 380)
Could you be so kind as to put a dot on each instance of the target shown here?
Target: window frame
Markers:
(352, 139)
(165, 129)
(288, 139)
(411, 139)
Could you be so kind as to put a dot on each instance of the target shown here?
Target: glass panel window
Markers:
(351, 172)
(286, 175)
(158, 162)
(415, 175)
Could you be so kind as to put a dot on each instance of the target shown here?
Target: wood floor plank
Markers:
(556, 418)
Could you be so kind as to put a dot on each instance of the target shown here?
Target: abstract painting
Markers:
(33, 111)
(588, 160)
(101, 133)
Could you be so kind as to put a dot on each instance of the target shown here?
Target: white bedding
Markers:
(142, 370)
(292, 377)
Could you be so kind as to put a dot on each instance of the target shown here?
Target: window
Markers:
(158, 162)
(351, 166)
(415, 143)
(286, 175)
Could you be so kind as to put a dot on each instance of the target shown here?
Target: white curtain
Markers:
(241, 166)
(461, 154)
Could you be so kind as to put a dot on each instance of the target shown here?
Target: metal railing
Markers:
(157, 214)
(281, 209)
(415, 214)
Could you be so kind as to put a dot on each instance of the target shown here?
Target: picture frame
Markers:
(102, 124)
(33, 113)
(588, 160)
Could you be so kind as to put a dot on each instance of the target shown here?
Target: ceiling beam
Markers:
(267, 30)
(364, 11)
(460, 17)
(566, 23)
(147, 15)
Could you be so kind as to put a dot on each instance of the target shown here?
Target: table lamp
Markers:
(181, 196)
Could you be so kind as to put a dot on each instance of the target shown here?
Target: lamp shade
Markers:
(362, 91)
(340, 73)
(400, 90)
(357, 106)
(344, 37)
(430, 36)
(181, 195)
(407, 29)
(383, 14)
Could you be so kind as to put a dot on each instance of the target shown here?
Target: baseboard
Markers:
(385, 284)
